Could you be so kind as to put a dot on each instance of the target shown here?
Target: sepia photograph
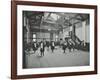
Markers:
(55, 39)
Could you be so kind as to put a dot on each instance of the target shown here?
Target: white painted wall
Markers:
(5, 41)
(83, 33)
(87, 32)
(79, 33)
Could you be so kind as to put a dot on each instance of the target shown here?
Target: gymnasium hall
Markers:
(55, 39)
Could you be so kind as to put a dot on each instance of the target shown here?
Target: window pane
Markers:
(34, 35)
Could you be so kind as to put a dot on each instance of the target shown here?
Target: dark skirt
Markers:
(64, 47)
(52, 47)
(41, 49)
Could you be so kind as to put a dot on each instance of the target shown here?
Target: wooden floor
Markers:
(57, 59)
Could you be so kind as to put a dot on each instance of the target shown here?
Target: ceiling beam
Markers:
(73, 24)
(42, 30)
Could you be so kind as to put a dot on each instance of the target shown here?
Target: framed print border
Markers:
(14, 45)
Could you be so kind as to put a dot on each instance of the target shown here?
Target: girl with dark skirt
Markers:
(64, 46)
(52, 46)
(47, 44)
(35, 47)
(42, 48)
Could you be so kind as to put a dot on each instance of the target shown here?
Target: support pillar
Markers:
(84, 31)
(51, 36)
(28, 31)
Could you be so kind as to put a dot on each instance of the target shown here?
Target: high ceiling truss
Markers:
(54, 20)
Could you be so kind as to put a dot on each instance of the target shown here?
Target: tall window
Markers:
(56, 37)
(34, 37)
